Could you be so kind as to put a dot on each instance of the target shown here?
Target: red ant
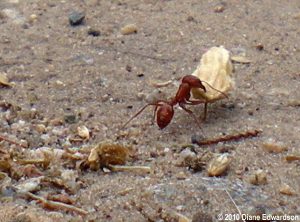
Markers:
(164, 109)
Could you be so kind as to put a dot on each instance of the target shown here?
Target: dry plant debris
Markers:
(112, 156)
(54, 205)
(240, 59)
(27, 171)
(198, 162)
(106, 153)
(160, 84)
(292, 157)
(215, 68)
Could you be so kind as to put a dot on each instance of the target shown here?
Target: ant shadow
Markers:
(216, 112)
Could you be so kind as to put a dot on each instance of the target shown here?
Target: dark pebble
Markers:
(94, 32)
(202, 217)
(7, 191)
(70, 118)
(128, 68)
(196, 138)
(76, 18)
(190, 18)
(259, 47)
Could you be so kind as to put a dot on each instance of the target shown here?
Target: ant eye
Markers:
(215, 72)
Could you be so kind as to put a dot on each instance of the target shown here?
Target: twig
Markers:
(12, 142)
(142, 169)
(160, 84)
(49, 204)
(235, 137)
(240, 213)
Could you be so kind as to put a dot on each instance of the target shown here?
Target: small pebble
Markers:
(274, 148)
(219, 9)
(128, 68)
(56, 122)
(218, 165)
(83, 132)
(58, 131)
(286, 190)
(33, 18)
(259, 47)
(46, 138)
(181, 175)
(129, 29)
(190, 18)
(259, 177)
(41, 128)
(187, 153)
(76, 18)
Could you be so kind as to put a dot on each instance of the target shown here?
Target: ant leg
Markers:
(196, 102)
(156, 104)
(205, 111)
(154, 113)
(192, 114)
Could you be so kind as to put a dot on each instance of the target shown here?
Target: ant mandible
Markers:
(164, 110)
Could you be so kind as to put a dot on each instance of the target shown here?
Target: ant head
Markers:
(193, 81)
(164, 115)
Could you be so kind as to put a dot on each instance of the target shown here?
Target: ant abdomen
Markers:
(164, 115)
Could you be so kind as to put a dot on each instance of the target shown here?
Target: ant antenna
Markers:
(224, 94)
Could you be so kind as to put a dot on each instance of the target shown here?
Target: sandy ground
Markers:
(60, 72)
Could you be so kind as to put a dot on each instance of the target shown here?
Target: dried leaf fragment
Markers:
(4, 80)
(83, 132)
(215, 68)
(218, 165)
(240, 59)
(106, 153)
